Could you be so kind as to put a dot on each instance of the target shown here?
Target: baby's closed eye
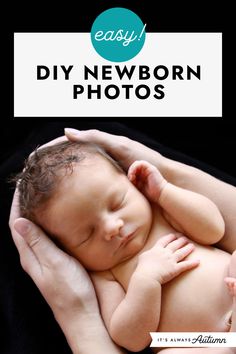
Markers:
(117, 203)
(87, 236)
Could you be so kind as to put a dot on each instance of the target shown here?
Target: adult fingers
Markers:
(43, 249)
(28, 259)
(15, 209)
(54, 141)
(108, 141)
(121, 148)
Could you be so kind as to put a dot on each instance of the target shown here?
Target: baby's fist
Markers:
(147, 179)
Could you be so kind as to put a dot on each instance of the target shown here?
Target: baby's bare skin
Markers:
(109, 213)
(219, 192)
(127, 151)
(197, 300)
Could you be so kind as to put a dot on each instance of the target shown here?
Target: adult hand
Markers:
(58, 140)
(121, 148)
(62, 281)
(127, 151)
(64, 284)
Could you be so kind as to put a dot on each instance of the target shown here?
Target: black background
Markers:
(211, 140)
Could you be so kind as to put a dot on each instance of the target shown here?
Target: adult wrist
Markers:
(86, 333)
(79, 330)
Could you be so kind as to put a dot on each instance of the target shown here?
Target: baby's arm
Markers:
(189, 212)
(130, 317)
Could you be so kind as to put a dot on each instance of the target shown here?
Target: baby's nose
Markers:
(112, 228)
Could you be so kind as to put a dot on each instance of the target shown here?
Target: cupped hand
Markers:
(61, 279)
(121, 148)
(57, 140)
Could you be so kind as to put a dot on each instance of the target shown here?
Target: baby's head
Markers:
(47, 167)
(82, 198)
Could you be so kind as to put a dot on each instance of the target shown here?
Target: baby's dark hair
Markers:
(44, 169)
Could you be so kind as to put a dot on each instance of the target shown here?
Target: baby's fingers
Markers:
(183, 252)
(164, 241)
(178, 243)
(187, 265)
(139, 169)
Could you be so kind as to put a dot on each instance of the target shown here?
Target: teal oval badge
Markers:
(118, 34)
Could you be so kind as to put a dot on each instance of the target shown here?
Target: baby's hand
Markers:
(147, 179)
(166, 260)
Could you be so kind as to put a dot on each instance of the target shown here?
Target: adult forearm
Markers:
(221, 193)
(196, 215)
(127, 151)
(194, 179)
(87, 334)
(138, 314)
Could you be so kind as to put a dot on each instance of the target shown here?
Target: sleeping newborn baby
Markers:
(145, 242)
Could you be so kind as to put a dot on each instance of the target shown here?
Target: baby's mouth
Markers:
(127, 238)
